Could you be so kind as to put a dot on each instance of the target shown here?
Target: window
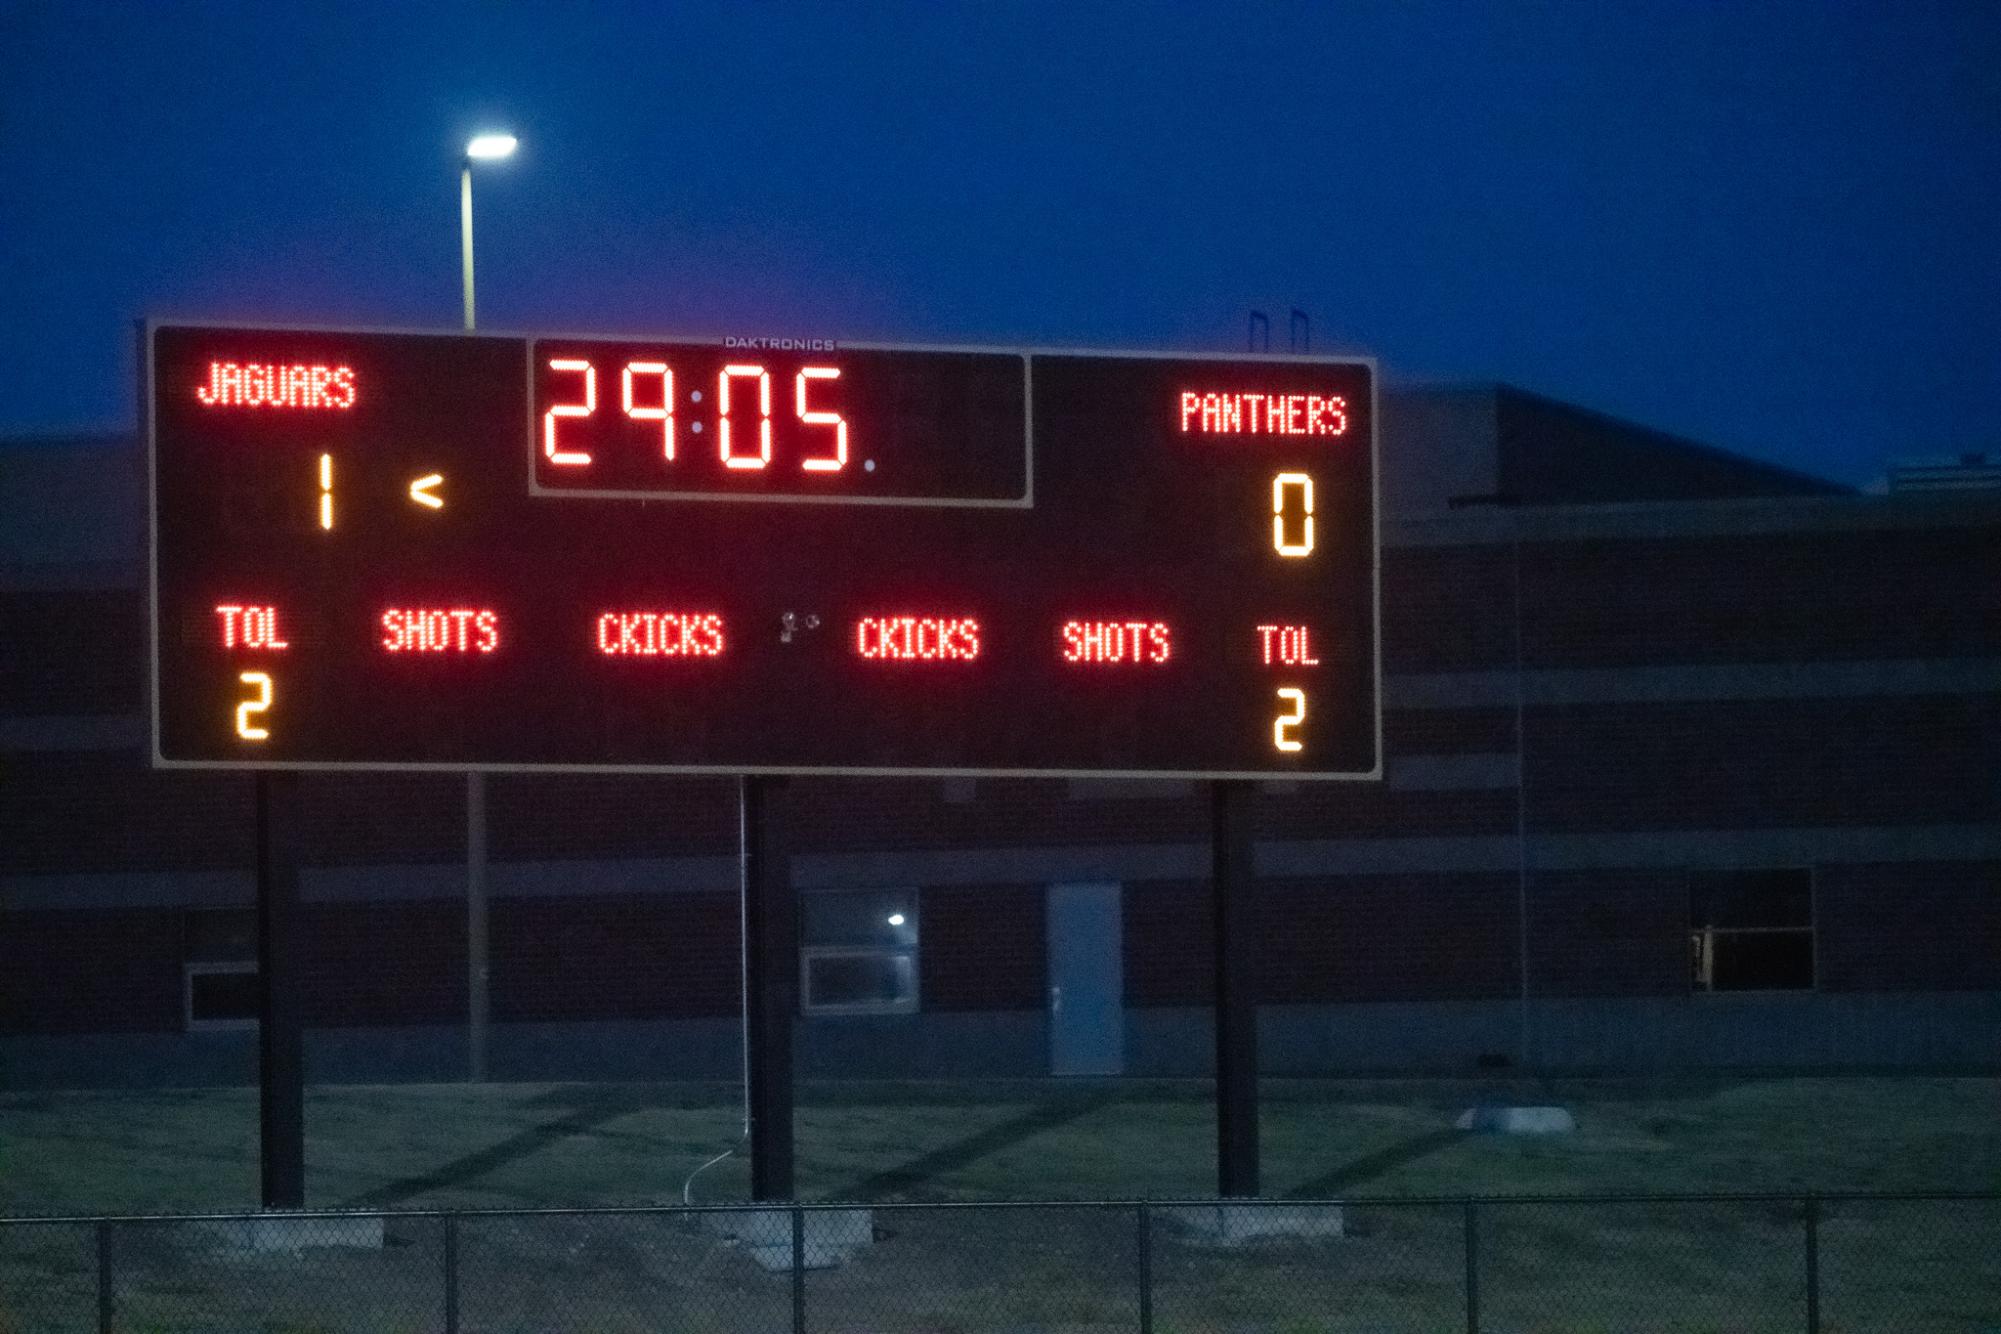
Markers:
(219, 983)
(858, 953)
(1751, 930)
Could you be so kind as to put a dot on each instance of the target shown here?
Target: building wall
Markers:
(1811, 683)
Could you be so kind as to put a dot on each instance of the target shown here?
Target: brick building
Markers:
(1691, 763)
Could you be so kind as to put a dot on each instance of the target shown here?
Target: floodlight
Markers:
(486, 147)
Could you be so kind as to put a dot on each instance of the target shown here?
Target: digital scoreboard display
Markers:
(744, 555)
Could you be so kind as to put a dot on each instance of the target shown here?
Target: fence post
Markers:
(798, 1270)
(451, 1274)
(1145, 1270)
(1472, 1267)
(1813, 1264)
(107, 1281)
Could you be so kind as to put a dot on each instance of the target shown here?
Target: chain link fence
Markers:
(1902, 1264)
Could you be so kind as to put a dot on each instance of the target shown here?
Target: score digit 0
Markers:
(1283, 486)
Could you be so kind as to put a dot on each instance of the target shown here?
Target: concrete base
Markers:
(1517, 1120)
(1237, 1224)
(831, 1237)
(285, 1232)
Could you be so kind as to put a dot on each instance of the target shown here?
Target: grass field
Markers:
(512, 1145)
(1560, 1269)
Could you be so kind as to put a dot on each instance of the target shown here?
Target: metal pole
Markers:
(465, 232)
(281, 1083)
(773, 938)
(1526, 1046)
(478, 1003)
(107, 1282)
(1472, 1268)
(798, 1270)
(1812, 1264)
(1145, 1270)
(451, 1274)
(1233, 886)
(478, 1000)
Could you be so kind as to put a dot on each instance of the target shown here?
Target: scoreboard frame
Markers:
(148, 328)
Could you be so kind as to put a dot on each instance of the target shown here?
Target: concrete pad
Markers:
(831, 1236)
(286, 1232)
(1235, 1224)
(778, 1259)
(1517, 1120)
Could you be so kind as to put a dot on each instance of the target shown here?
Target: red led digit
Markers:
(660, 634)
(570, 457)
(731, 460)
(664, 413)
(918, 638)
(1147, 643)
(822, 418)
(440, 630)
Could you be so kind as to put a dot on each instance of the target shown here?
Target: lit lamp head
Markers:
(490, 147)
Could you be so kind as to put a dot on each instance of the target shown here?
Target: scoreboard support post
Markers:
(479, 1005)
(281, 1083)
(771, 981)
(1233, 886)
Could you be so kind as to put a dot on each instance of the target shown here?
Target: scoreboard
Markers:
(758, 555)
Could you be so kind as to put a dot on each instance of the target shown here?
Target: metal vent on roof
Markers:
(1967, 472)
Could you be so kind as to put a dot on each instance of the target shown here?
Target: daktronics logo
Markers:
(918, 638)
(660, 634)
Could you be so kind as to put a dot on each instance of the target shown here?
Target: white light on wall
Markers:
(896, 919)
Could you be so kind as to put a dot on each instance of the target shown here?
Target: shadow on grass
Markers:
(1370, 1166)
(599, 1106)
(920, 1170)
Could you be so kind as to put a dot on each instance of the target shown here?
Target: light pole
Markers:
(480, 148)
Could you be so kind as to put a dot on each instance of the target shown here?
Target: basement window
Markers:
(1751, 930)
(858, 952)
(219, 982)
(221, 995)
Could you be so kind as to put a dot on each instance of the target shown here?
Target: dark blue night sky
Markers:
(1768, 226)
